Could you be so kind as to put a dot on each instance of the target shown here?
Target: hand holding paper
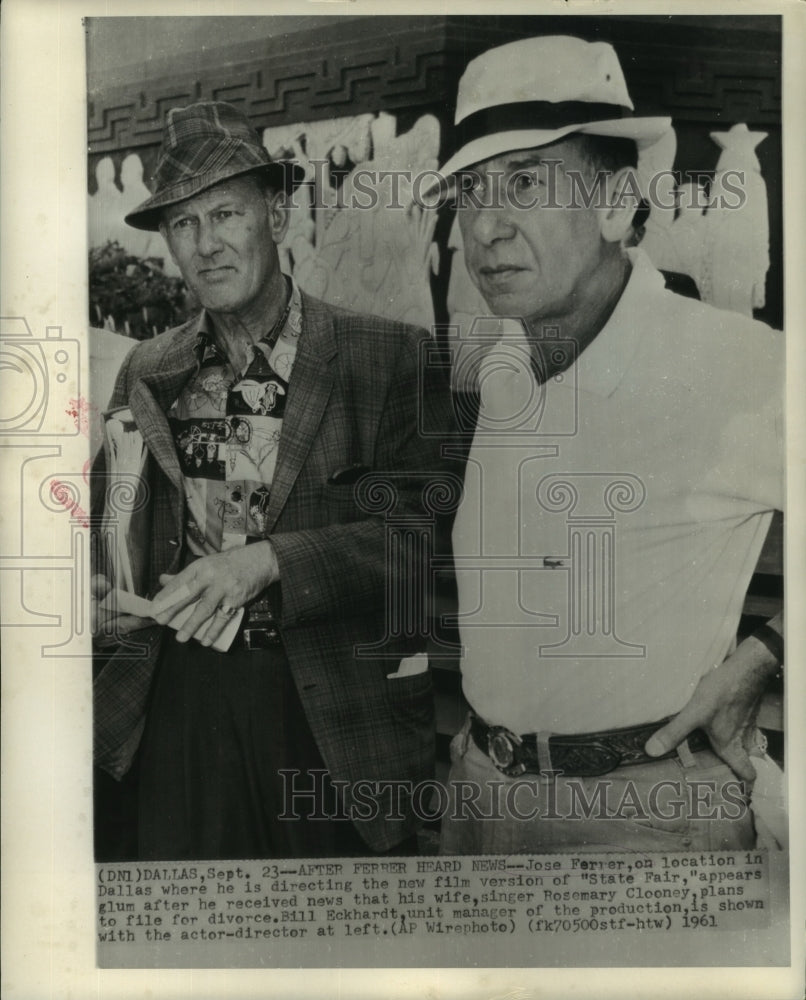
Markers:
(227, 579)
(108, 619)
(126, 604)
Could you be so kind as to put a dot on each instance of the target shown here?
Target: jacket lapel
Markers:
(308, 392)
(155, 392)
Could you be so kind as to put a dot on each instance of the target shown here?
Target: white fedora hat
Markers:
(536, 91)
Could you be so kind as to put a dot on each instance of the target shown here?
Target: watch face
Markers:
(500, 750)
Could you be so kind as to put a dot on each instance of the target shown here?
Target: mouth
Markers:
(501, 273)
(215, 273)
(500, 269)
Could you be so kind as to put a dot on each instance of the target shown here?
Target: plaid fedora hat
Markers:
(538, 90)
(202, 145)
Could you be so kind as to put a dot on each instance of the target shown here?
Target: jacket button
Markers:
(174, 542)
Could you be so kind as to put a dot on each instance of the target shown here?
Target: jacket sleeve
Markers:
(355, 568)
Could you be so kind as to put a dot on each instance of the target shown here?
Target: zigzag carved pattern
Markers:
(733, 98)
(385, 78)
(417, 71)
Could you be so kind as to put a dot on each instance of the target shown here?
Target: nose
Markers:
(489, 224)
(208, 240)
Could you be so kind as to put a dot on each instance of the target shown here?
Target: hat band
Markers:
(534, 114)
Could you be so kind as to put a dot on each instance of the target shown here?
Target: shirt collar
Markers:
(205, 346)
(604, 362)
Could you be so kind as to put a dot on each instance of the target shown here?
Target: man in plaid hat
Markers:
(626, 463)
(261, 417)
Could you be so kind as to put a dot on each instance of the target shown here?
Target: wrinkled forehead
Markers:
(567, 154)
(240, 189)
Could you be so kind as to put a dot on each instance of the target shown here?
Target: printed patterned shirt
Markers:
(227, 428)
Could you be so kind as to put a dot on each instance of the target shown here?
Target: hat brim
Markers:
(644, 131)
(283, 174)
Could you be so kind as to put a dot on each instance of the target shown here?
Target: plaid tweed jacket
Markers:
(354, 399)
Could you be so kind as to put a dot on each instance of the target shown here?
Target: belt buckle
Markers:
(502, 750)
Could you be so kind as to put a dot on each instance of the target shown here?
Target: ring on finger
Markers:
(226, 611)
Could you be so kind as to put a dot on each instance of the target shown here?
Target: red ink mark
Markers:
(81, 410)
(61, 493)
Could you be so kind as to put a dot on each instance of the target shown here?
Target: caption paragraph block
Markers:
(366, 912)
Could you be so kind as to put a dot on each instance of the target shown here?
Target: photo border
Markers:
(48, 916)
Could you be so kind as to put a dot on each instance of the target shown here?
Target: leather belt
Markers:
(259, 629)
(585, 755)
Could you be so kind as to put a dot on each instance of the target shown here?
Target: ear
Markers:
(623, 199)
(278, 208)
(164, 235)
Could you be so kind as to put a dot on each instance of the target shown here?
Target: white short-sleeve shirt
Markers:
(613, 516)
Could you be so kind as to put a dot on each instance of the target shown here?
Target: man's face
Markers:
(224, 243)
(532, 262)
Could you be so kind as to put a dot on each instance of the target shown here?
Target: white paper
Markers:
(122, 602)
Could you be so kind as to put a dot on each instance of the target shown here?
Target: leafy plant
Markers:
(133, 295)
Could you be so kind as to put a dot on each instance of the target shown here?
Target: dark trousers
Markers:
(221, 728)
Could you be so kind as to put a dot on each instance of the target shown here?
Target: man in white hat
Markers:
(262, 418)
(626, 463)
